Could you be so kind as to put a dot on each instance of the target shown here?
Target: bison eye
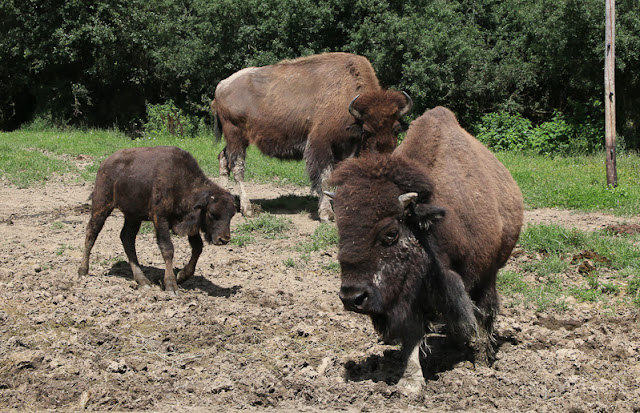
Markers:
(398, 129)
(390, 237)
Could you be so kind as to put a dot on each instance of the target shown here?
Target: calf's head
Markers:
(216, 212)
(384, 218)
(378, 119)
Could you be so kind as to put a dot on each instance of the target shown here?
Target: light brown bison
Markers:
(166, 186)
(423, 233)
(322, 108)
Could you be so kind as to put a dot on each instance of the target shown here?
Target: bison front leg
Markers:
(128, 238)
(319, 167)
(412, 379)
(196, 249)
(163, 237)
(96, 222)
(238, 175)
(223, 168)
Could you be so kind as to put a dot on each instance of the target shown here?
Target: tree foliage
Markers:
(100, 63)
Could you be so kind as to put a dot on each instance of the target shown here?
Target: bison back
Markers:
(483, 202)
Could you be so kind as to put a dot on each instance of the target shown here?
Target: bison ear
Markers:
(428, 214)
(203, 200)
(355, 130)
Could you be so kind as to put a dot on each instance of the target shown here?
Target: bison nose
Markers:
(354, 299)
(222, 240)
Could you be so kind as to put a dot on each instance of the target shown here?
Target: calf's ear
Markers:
(427, 215)
(202, 200)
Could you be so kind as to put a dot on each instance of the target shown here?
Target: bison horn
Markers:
(353, 111)
(406, 199)
(407, 108)
(330, 194)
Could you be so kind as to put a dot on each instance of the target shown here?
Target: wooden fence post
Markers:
(609, 93)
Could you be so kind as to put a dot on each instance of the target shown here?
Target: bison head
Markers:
(384, 220)
(216, 213)
(378, 119)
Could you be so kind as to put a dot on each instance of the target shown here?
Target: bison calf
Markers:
(166, 186)
(423, 233)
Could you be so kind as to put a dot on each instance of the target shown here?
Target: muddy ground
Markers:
(261, 326)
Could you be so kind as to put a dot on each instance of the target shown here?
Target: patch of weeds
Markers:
(57, 225)
(551, 238)
(269, 226)
(289, 263)
(325, 236)
(113, 260)
(61, 249)
(511, 283)
(553, 264)
(241, 239)
(333, 266)
(585, 294)
(548, 294)
(633, 289)
(146, 228)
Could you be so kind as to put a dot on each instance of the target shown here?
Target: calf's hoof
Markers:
(183, 276)
(83, 271)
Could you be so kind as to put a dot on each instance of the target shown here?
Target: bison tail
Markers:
(217, 130)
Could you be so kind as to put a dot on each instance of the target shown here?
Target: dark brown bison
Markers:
(322, 108)
(166, 186)
(423, 233)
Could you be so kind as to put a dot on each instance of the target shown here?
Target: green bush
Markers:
(167, 119)
(504, 131)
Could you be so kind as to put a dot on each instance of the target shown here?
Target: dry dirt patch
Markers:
(249, 332)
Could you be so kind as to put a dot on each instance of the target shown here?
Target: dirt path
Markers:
(250, 331)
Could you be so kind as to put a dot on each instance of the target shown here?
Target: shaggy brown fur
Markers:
(164, 185)
(436, 258)
(299, 109)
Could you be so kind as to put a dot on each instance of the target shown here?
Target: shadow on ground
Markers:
(156, 276)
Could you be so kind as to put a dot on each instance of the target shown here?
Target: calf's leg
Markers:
(163, 237)
(96, 222)
(196, 249)
(128, 237)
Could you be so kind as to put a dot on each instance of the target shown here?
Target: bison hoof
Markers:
(83, 271)
(326, 215)
(247, 211)
(183, 276)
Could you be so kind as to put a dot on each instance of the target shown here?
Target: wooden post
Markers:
(609, 92)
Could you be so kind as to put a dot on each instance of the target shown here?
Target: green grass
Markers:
(556, 254)
(29, 157)
(24, 164)
(325, 236)
(577, 182)
(266, 225)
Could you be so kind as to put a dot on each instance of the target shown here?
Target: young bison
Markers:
(164, 185)
(423, 232)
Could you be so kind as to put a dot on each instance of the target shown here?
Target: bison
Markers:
(322, 108)
(422, 234)
(164, 185)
